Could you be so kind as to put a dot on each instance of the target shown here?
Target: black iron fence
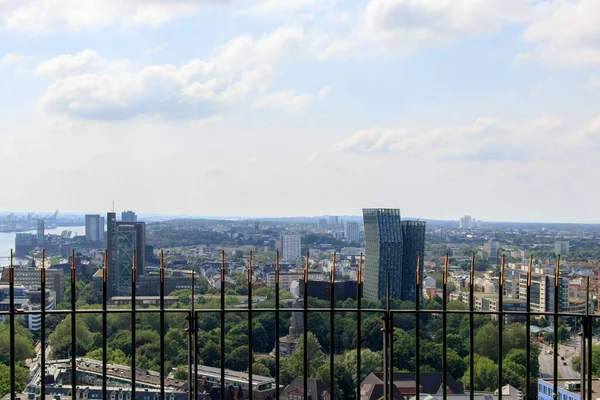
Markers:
(388, 314)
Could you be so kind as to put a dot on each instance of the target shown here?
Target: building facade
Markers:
(351, 232)
(41, 234)
(561, 248)
(123, 238)
(392, 248)
(128, 216)
(94, 228)
(292, 247)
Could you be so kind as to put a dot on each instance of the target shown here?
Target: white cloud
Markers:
(566, 32)
(400, 26)
(376, 139)
(88, 86)
(289, 100)
(39, 16)
(485, 139)
(276, 7)
(66, 65)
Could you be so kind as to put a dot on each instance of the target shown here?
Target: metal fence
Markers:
(387, 316)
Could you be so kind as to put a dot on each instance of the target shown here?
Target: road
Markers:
(568, 351)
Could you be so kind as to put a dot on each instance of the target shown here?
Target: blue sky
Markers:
(302, 107)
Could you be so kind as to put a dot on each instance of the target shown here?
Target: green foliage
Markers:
(260, 369)
(370, 361)
(485, 374)
(24, 347)
(114, 356)
(21, 375)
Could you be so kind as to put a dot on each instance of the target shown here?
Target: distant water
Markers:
(7, 239)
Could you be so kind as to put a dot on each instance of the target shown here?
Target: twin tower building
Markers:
(392, 250)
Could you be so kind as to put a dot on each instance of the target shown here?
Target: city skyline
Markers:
(254, 97)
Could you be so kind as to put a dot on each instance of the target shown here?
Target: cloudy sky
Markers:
(302, 107)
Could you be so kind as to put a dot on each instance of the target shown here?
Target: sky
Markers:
(302, 107)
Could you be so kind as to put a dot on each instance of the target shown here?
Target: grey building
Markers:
(351, 232)
(41, 234)
(122, 238)
(561, 248)
(128, 216)
(94, 228)
(392, 247)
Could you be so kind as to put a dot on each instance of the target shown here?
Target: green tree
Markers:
(237, 359)
(485, 374)
(513, 373)
(519, 356)
(342, 380)
(210, 354)
(23, 342)
(21, 375)
(114, 356)
(486, 342)
(315, 357)
(260, 369)
(370, 361)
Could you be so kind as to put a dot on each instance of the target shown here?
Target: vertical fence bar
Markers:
(133, 323)
(162, 324)
(418, 329)
(332, 328)
(588, 321)
(500, 323)
(555, 343)
(43, 327)
(277, 316)
(385, 329)
(472, 328)
(73, 329)
(195, 333)
(222, 324)
(250, 279)
(358, 324)
(105, 323)
(445, 328)
(528, 331)
(11, 294)
(305, 333)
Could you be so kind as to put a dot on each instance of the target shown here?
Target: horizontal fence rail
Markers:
(388, 315)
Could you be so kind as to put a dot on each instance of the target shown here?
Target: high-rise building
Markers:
(351, 232)
(322, 223)
(24, 243)
(561, 248)
(333, 220)
(465, 222)
(128, 216)
(41, 241)
(122, 239)
(392, 248)
(291, 247)
(94, 228)
(491, 251)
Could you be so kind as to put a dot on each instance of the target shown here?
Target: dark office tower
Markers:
(128, 216)
(392, 246)
(122, 239)
(40, 234)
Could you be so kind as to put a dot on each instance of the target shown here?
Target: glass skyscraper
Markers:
(392, 247)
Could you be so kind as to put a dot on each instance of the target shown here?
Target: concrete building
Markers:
(333, 220)
(292, 247)
(94, 228)
(286, 278)
(128, 216)
(568, 389)
(41, 234)
(351, 232)
(491, 251)
(392, 248)
(561, 248)
(29, 300)
(322, 223)
(465, 222)
(123, 238)
(24, 244)
(30, 277)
